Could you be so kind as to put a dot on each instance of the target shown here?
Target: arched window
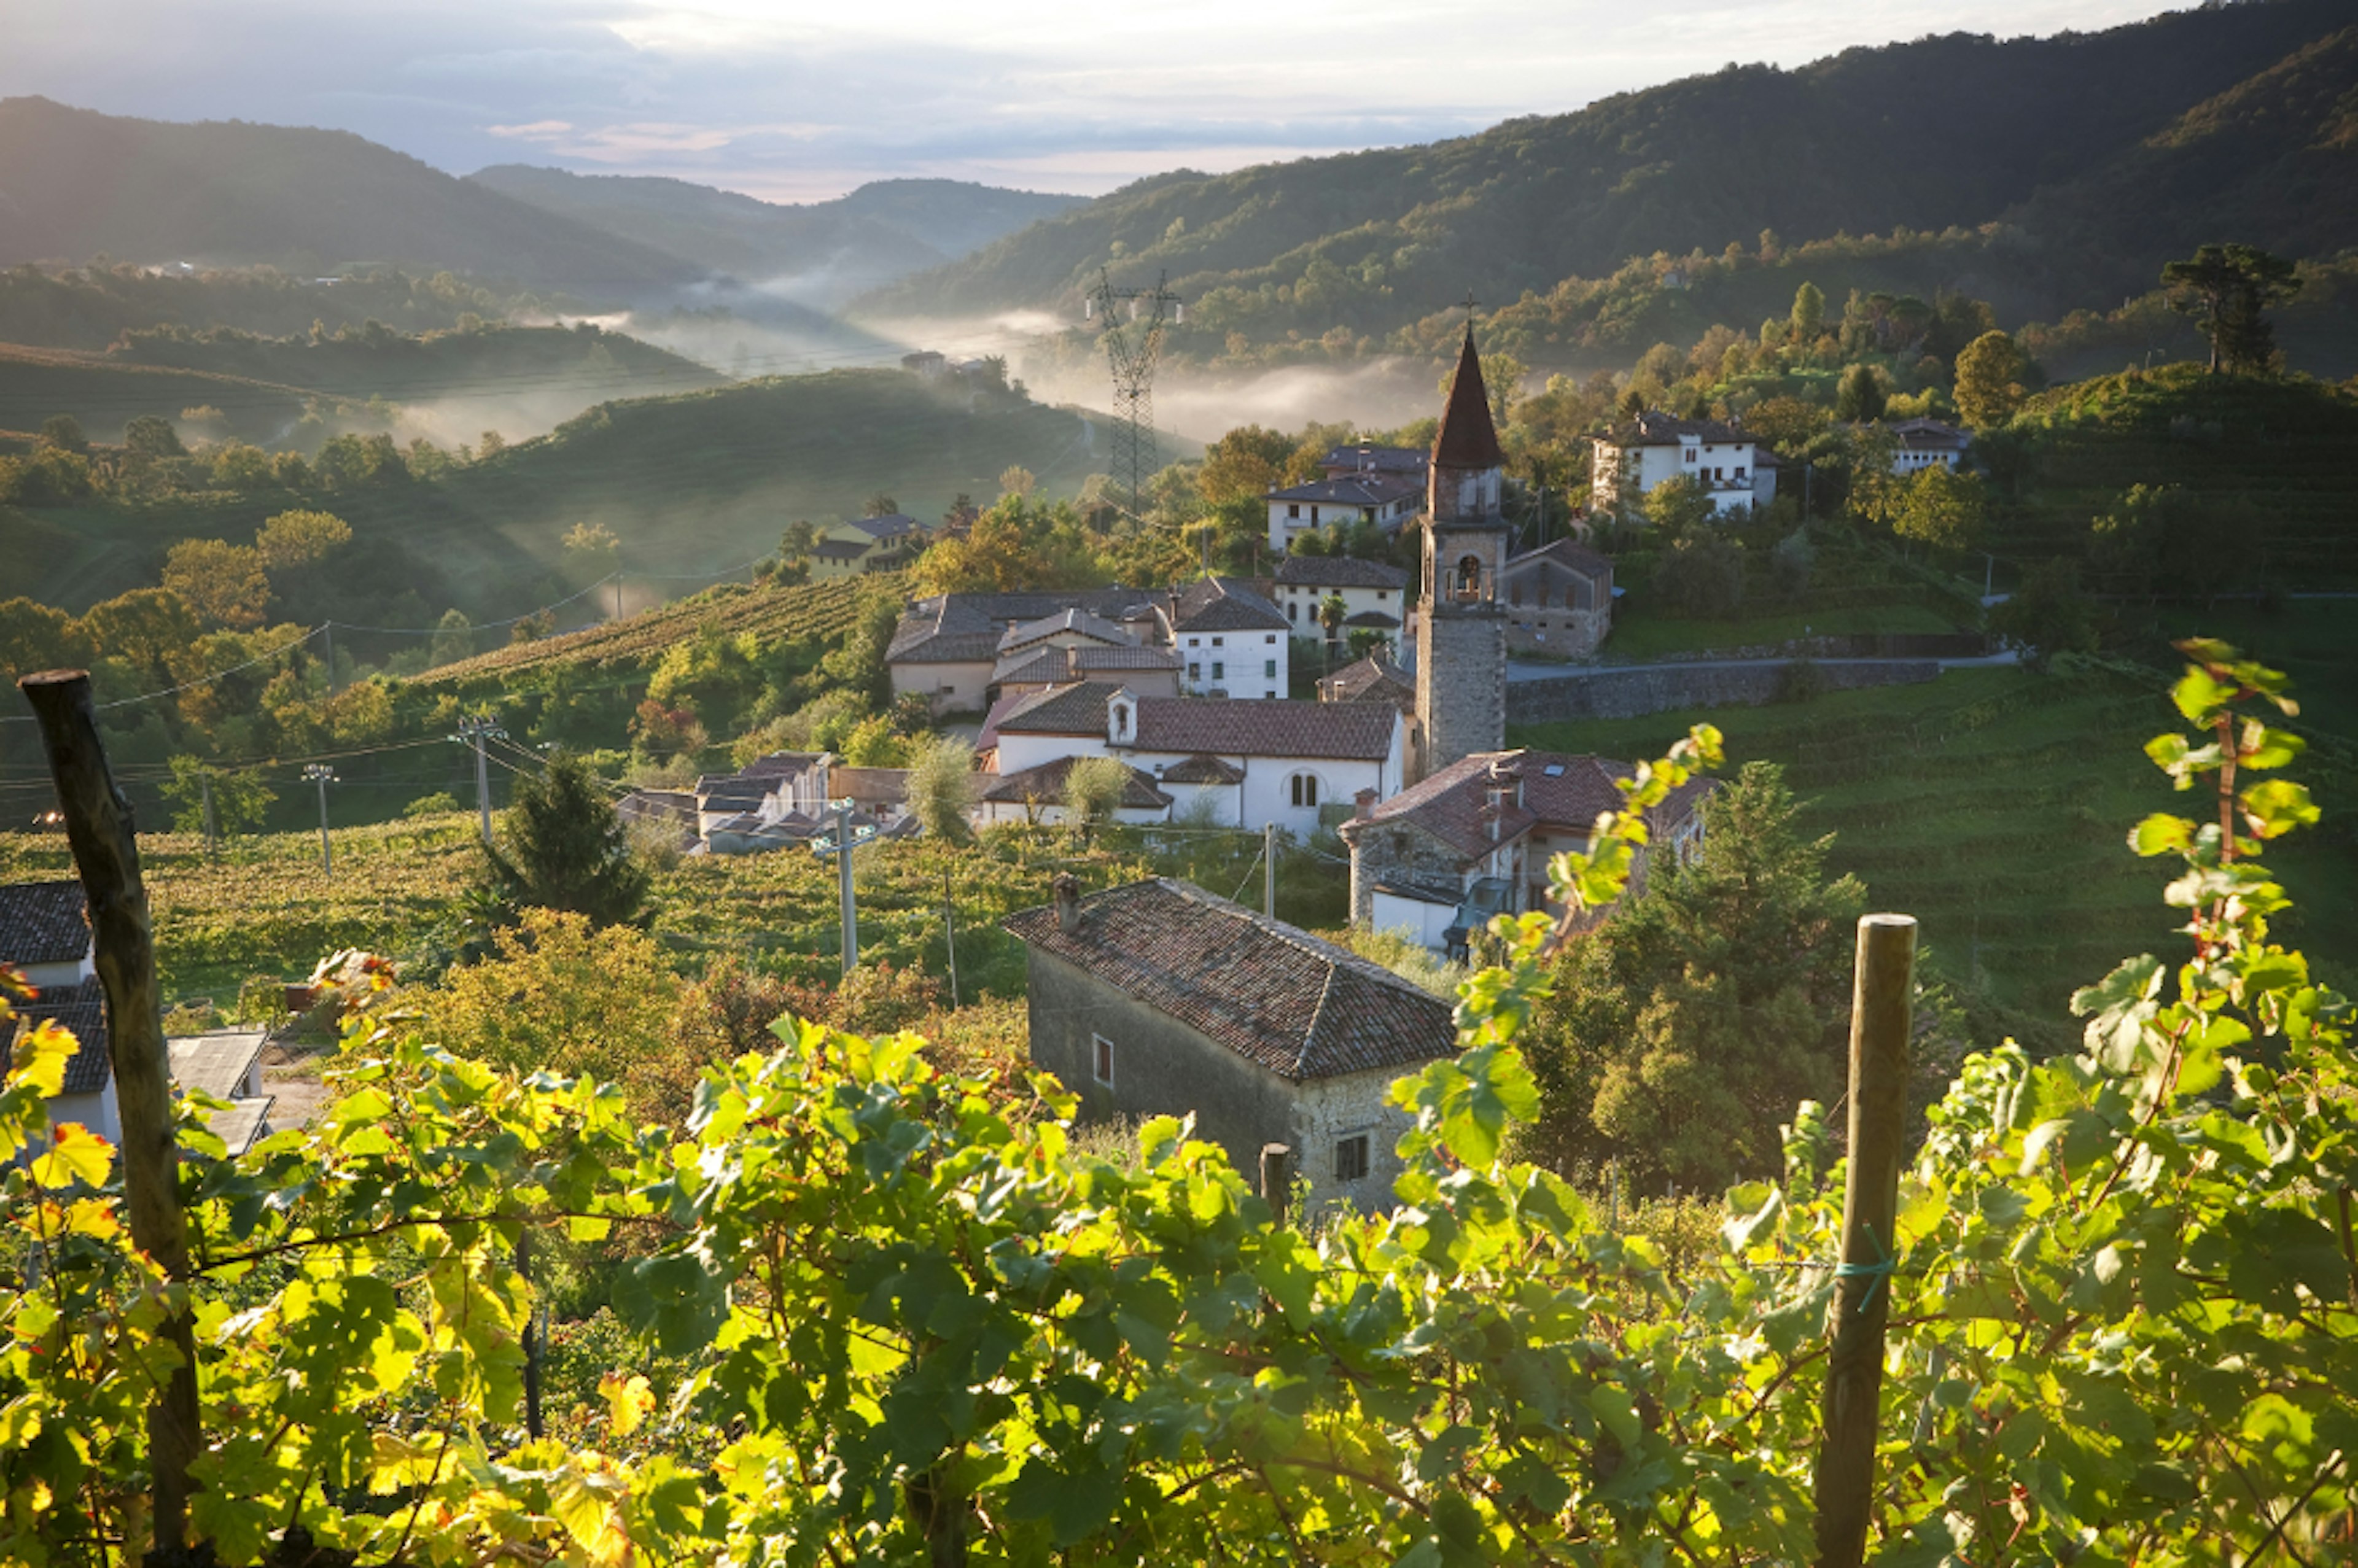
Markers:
(1121, 721)
(1305, 789)
(1469, 578)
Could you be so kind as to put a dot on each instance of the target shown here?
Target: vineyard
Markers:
(808, 612)
(1987, 804)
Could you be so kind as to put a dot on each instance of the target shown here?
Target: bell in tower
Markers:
(1460, 655)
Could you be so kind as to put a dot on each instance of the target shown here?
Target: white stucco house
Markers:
(1374, 594)
(1630, 461)
(1245, 763)
(1231, 642)
(1385, 499)
(1926, 443)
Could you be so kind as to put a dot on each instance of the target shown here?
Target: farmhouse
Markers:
(867, 544)
(1159, 999)
(1629, 461)
(947, 646)
(1372, 679)
(1926, 443)
(1244, 762)
(1559, 599)
(1384, 500)
(1230, 639)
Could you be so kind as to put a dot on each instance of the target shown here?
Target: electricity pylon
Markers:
(1133, 341)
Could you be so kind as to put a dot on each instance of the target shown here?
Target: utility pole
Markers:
(845, 839)
(212, 828)
(323, 775)
(949, 935)
(1132, 359)
(328, 627)
(1269, 870)
(474, 729)
(618, 595)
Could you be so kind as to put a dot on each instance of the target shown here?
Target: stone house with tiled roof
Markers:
(1374, 594)
(947, 646)
(1629, 461)
(1290, 760)
(1559, 599)
(1159, 999)
(1473, 840)
(1037, 795)
(1372, 679)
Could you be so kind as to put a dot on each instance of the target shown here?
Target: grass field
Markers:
(1639, 635)
(1995, 806)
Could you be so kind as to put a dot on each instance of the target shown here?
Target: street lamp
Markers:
(323, 775)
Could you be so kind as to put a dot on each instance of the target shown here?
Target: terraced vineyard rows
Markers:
(819, 610)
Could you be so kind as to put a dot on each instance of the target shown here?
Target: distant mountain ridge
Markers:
(2081, 134)
(75, 183)
(821, 252)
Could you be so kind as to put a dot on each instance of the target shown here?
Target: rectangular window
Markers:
(1351, 1158)
(1293, 612)
(1269, 669)
(1101, 1059)
(1216, 642)
(1194, 642)
(1269, 640)
(1293, 511)
(1194, 672)
(1381, 593)
(1220, 670)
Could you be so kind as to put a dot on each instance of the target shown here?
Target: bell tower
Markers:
(1461, 654)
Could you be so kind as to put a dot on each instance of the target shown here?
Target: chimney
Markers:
(1364, 803)
(1069, 903)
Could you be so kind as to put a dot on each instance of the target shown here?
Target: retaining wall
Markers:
(1627, 693)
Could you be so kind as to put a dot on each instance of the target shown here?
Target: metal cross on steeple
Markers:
(1470, 303)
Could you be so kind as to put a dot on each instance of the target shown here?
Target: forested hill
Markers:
(75, 183)
(824, 252)
(1959, 130)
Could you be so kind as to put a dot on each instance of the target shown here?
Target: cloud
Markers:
(801, 101)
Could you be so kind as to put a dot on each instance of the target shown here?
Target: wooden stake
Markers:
(1882, 1003)
(99, 828)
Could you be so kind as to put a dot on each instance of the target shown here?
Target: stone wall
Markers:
(1627, 693)
(1326, 1111)
(1399, 852)
(1460, 667)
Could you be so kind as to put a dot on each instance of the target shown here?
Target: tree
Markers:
(1786, 423)
(2047, 614)
(879, 505)
(152, 435)
(2229, 289)
(590, 551)
(241, 800)
(1678, 506)
(1943, 507)
(1989, 380)
(1017, 481)
(224, 583)
(454, 638)
(147, 627)
(800, 540)
(301, 538)
(1701, 576)
(1686, 1027)
(1332, 612)
(565, 847)
(1244, 464)
(63, 433)
(37, 636)
(1860, 397)
(1808, 314)
(1094, 788)
(941, 789)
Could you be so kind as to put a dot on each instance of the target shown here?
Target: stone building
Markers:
(1159, 999)
(1559, 599)
(1438, 860)
(1461, 632)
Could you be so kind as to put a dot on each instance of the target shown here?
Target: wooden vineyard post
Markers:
(99, 828)
(1882, 1003)
(1275, 1188)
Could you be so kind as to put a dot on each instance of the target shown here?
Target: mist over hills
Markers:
(819, 254)
(2111, 150)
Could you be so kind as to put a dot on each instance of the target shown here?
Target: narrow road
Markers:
(1526, 670)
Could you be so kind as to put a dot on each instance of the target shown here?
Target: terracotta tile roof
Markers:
(1559, 791)
(1041, 667)
(1570, 554)
(1355, 490)
(1338, 571)
(1275, 995)
(216, 1061)
(1381, 460)
(1375, 619)
(1372, 679)
(869, 787)
(42, 922)
(1200, 768)
(1655, 429)
(1089, 661)
(1073, 620)
(83, 1008)
(957, 628)
(1469, 439)
(1452, 806)
(1075, 709)
(1225, 604)
(1045, 784)
(776, 765)
(1269, 728)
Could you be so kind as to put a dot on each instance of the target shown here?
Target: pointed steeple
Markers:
(1469, 439)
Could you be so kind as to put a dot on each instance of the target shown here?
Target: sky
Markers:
(801, 101)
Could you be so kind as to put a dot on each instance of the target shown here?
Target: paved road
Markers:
(1524, 670)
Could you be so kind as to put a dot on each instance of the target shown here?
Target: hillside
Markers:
(822, 252)
(1958, 131)
(91, 306)
(75, 184)
(696, 483)
(521, 380)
